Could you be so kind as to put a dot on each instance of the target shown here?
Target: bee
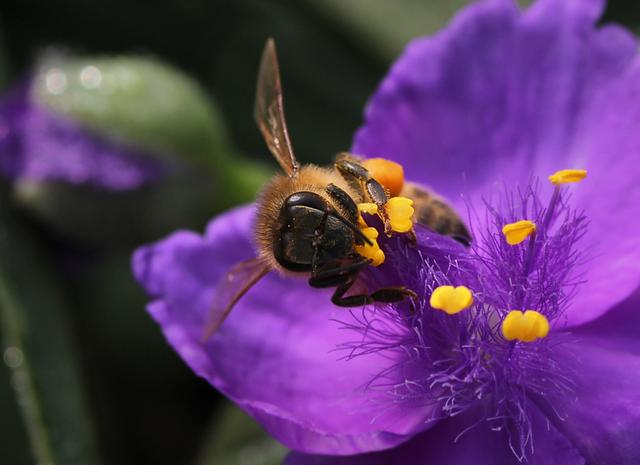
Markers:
(308, 217)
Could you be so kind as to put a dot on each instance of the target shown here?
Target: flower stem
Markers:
(22, 377)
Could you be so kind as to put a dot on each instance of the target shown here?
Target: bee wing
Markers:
(233, 286)
(269, 111)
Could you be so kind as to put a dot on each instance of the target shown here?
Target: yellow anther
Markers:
(567, 176)
(368, 208)
(525, 327)
(400, 213)
(373, 252)
(515, 233)
(451, 299)
(399, 210)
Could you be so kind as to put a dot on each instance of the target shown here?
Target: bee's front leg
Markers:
(382, 295)
(373, 190)
(346, 202)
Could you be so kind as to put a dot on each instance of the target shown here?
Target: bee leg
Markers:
(340, 300)
(378, 194)
(344, 276)
(354, 173)
(332, 274)
(383, 295)
(375, 191)
(353, 225)
(345, 201)
(393, 294)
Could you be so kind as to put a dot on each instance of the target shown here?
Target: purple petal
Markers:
(503, 96)
(495, 95)
(478, 446)
(620, 326)
(604, 420)
(37, 144)
(609, 197)
(275, 355)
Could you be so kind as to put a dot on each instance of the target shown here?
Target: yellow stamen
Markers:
(451, 299)
(388, 173)
(399, 210)
(400, 213)
(373, 252)
(525, 327)
(370, 209)
(567, 176)
(515, 233)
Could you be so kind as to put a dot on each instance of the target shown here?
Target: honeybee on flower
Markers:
(521, 348)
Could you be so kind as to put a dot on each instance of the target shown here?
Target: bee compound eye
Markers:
(306, 199)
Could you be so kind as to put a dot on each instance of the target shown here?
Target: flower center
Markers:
(530, 325)
(491, 341)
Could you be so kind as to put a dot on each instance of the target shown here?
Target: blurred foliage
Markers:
(220, 44)
(136, 101)
(92, 217)
(15, 443)
(234, 438)
(38, 349)
(64, 268)
(152, 408)
(386, 27)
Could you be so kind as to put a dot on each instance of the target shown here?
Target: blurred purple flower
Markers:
(497, 98)
(39, 145)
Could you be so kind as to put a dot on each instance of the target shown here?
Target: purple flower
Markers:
(115, 123)
(479, 112)
(38, 144)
